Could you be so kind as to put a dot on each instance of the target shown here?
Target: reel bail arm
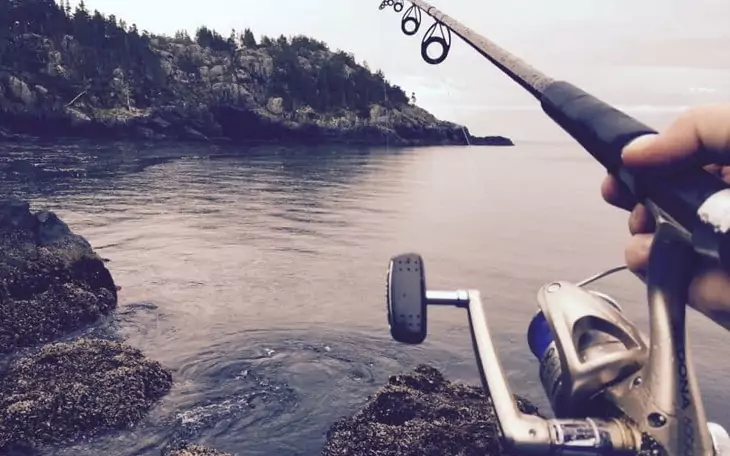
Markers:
(527, 434)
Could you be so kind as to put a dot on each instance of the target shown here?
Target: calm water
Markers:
(257, 276)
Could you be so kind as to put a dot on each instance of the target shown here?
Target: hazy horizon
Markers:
(653, 58)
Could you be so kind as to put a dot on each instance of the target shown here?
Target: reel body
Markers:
(583, 342)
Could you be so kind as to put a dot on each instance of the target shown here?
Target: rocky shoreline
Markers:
(234, 125)
(57, 388)
(53, 284)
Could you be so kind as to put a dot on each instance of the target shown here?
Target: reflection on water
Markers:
(257, 274)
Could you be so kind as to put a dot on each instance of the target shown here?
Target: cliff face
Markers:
(76, 73)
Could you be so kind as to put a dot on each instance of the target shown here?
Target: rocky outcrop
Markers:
(51, 284)
(71, 390)
(490, 141)
(421, 414)
(185, 91)
(51, 281)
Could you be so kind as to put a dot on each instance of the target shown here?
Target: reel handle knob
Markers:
(406, 298)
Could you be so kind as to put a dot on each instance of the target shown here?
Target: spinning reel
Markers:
(612, 389)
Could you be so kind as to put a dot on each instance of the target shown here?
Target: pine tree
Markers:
(248, 39)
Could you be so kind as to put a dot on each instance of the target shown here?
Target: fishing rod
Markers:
(613, 390)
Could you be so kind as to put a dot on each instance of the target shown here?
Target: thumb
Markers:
(700, 134)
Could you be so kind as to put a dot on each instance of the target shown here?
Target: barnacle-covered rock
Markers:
(421, 414)
(51, 281)
(68, 391)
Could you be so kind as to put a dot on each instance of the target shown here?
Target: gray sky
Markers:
(650, 57)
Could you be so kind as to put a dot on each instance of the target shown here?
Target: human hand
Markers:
(705, 129)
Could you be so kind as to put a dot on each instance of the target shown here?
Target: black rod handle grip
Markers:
(604, 131)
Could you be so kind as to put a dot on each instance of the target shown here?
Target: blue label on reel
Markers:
(539, 336)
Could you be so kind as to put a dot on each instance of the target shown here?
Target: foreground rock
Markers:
(69, 391)
(421, 414)
(194, 450)
(51, 281)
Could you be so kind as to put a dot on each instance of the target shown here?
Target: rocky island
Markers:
(72, 72)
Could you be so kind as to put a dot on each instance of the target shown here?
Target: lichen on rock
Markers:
(51, 281)
(68, 391)
(421, 414)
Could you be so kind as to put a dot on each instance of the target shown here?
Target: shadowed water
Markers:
(257, 275)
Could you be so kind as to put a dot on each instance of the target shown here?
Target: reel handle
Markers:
(522, 434)
(406, 298)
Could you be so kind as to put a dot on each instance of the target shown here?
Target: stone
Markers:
(74, 390)
(421, 414)
(51, 280)
(275, 105)
(20, 90)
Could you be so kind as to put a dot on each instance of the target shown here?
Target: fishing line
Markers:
(387, 115)
(437, 34)
(452, 114)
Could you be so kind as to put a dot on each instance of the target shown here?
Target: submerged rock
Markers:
(195, 450)
(69, 391)
(421, 414)
(51, 281)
